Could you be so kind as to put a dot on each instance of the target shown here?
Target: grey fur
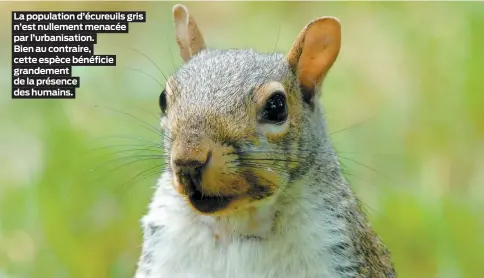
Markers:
(215, 87)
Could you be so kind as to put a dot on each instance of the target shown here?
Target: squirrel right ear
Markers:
(188, 36)
(313, 53)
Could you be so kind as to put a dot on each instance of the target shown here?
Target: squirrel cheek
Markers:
(219, 177)
(272, 178)
(274, 133)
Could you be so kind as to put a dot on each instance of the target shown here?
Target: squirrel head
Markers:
(243, 125)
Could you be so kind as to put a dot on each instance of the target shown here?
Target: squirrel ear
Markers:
(188, 36)
(314, 52)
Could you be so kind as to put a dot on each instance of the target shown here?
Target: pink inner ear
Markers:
(320, 48)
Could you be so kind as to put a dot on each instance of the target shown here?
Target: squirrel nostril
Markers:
(190, 172)
(195, 194)
(192, 178)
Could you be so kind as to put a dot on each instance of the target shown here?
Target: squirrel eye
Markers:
(162, 101)
(275, 111)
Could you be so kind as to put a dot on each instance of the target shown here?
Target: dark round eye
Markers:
(162, 101)
(275, 111)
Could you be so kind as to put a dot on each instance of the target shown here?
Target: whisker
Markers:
(144, 124)
(268, 159)
(141, 147)
(149, 59)
(155, 116)
(137, 153)
(123, 136)
(257, 166)
(352, 126)
(141, 176)
(144, 73)
(365, 166)
(136, 159)
(171, 56)
(277, 39)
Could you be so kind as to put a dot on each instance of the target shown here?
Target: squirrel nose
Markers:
(190, 171)
(188, 164)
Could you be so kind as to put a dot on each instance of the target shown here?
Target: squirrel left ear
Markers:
(188, 36)
(313, 53)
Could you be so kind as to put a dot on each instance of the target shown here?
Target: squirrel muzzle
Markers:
(204, 176)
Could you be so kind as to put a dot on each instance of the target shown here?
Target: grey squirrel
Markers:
(252, 186)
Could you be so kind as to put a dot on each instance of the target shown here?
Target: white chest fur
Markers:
(188, 245)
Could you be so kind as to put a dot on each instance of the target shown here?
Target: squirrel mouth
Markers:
(208, 204)
(204, 203)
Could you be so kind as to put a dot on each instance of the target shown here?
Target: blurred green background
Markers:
(404, 101)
